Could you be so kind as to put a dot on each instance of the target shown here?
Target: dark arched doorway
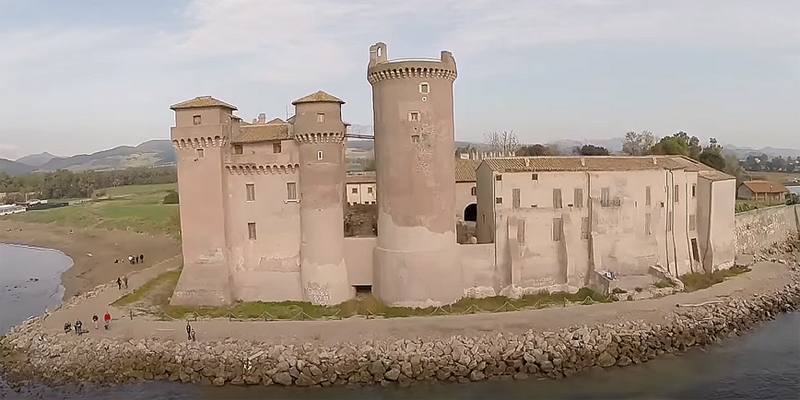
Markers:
(471, 213)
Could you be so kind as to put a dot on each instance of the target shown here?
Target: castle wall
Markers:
(759, 229)
(358, 255)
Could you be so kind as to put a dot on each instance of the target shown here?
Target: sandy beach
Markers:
(93, 251)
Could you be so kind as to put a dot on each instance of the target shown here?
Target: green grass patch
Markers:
(166, 280)
(137, 208)
(700, 280)
(371, 306)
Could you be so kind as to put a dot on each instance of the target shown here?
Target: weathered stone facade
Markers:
(761, 228)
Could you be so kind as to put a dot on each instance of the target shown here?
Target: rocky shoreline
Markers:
(30, 355)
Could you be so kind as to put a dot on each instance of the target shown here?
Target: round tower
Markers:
(415, 256)
(319, 131)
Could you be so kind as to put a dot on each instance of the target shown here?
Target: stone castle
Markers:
(262, 206)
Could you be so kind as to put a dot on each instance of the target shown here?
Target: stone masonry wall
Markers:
(760, 229)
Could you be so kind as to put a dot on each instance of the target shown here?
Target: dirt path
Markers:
(93, 251)
(765, 277)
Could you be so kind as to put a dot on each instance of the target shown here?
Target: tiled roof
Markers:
(596, 163)
(765, 187)
(714, 175)
(261, 132)
(465, 170)
(202, 101)
(318, 97)
(276, 121)
(361, 177)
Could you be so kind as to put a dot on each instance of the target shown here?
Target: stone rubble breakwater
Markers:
(27, 354)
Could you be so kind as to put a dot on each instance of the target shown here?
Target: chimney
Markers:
(583, 161)
(262, 118)
(655, 160)
(527, 162)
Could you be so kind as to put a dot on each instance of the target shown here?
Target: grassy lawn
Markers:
(155, 292)
(699, 280)
(137, 207)
(364, 305)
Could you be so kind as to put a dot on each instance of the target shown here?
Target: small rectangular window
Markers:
(694, 190)
(647, 196)
(424, 88)
(369, 189)
(251, 230)
(515, 194)
(498, 177)
(196, 120)
(648, 224)
(237, 149)
(250, 188)
(585, 227)
(692, 223)
(473, 191)
(534, 177)
(557, 198)
(578, 200)
(291, 190)
(521, 231)
(557, 230)
(414, 138)
(320, 117)
(276, 147)
(605, 197)
(676, 194)
(413, 116)
(201, 153)
(319, 155)
(354, 190)
(498, 200)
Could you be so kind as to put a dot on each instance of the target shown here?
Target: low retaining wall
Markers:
(762, 228)
(60, 359)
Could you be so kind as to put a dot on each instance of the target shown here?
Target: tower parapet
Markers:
(319, 131)
(415, 260)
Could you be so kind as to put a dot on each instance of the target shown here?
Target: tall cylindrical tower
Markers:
(319, 131)
(415, 256)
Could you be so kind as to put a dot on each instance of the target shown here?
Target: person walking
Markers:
(96, 321)
(107, 320)
(130, 259)
(141, 257)
(188, 331)
(78, 327)
(125, 281)
(119, 283)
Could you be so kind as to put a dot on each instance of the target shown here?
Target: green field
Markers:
(137, 208)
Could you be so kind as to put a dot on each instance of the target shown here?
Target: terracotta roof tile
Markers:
(318, 97)
(361, 177)
(765, 187)
(200, 102)
(465, 170)
(261, 132)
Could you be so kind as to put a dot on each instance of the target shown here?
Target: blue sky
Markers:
(81, 76)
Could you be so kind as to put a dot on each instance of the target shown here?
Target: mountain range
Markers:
(155, 153)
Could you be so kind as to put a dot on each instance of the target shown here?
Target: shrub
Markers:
(171, 198)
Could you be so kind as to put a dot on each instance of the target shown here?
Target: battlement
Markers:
(319, 137)
(382, 68)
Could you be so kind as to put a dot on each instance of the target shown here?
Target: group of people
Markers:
(122, 281)
(78, 327)
(133, 259)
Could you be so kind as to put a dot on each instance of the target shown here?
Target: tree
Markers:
(638, 144)
(591, 150)
(537, 150)
(678, 144)
(502, 141)
(712, 155)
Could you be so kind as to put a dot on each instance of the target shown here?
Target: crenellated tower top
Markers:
(382, 68)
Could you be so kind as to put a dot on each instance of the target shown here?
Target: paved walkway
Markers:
(765, 277)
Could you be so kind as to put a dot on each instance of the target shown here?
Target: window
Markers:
(354, 190)
(498, 177)
(534, 177)
(276, 147)
(473, 191)
(369, 189)
(237, 149)
(320, 117)
(647, 198)
(291, 190)
(251, 230)
(648, 224)
(521, 231)
(201, 153)
(515, 198)
(557, 230)
(694, 190)
(319, 155)
(424, 88)
(251, 191)
(498, 200)
(692, 223)
(414, 138)
(557, 198)
(197, 120)
(585, 227)
(605, 197)
(676, 194)
(578, 200)
(413, 116)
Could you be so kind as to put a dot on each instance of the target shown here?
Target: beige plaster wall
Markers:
(464, 197)
(759, 229)
(358, 255)
(365, 193)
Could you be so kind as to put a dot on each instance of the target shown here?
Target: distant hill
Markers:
(743, 152)
(14, 168)
(36, 160)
